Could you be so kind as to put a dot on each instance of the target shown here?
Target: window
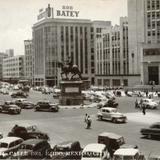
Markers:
(149, 33)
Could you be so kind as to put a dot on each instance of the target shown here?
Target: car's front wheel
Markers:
(100, 118)
(114, 120)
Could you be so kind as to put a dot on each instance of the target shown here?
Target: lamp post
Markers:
(132, 62)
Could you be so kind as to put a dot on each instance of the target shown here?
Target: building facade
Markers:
(144, 39)
(2, 56)
(13, 68)
(55, 40)
(29, 60)
(112, 56)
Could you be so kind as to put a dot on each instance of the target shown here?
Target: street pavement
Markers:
(68, 124)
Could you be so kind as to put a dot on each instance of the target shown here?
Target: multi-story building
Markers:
(112, 59)
(10, 52)
(2, 56)
(56, 39)
(13, 68)
(29, 60)
(144, 39)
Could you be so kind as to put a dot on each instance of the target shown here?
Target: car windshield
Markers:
(91, 154)
(23, 146)
(3, 145)
(113, 111)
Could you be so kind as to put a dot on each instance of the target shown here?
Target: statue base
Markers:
(71, 92)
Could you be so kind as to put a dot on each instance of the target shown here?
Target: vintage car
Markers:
(148, 103)
(109, 103)
(10, 108)
(32, 149)
(68, 150)
(19, 94)
(24, 104)
(154, 156)
(30, 132)
(128, 153)
(8, 145)
(111, 114)
(151, 131)
(111, 140)
(46, 106)
(95, 151)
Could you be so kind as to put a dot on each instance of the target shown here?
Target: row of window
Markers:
(112, 82)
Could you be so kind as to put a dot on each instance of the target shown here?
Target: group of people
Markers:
(87, 121)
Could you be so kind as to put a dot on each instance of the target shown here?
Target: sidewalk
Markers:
(92, 105)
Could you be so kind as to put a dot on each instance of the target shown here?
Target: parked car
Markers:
(95, 151)
(46, 106)
(25, 133)
(1, 135)
(66, 150)
(10, 108)
(24, 104)
(128, 153)
(19, 94)
(151, 131)
(111, 140)
(154, 156)
(148, 103)
(110, 103)
(8, 145)
(32, 148)
(111, 114)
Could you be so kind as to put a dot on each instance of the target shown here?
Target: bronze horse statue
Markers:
(69, 68)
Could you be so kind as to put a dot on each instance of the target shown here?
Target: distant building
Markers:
(13, 68)
(29, 60)
(56, 39)
(2, 56)
(112, 59)
(144, 39)
(10, 52)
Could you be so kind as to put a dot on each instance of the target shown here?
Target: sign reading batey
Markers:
(67, 11)
(71, 90)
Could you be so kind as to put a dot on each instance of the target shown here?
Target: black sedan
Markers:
(151, 131)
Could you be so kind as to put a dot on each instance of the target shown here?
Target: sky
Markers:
(18, 16)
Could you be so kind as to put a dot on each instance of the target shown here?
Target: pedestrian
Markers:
(86, 117)
(89, 121)
(141, 103)
(136, 104)
(143, 109)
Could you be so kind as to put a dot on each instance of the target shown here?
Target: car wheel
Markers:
(149, 136)
(147, 106)
(114, 120)
(100, 118)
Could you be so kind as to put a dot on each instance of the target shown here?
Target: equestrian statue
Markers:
(68, 67)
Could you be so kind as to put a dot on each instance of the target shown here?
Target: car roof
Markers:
(33, 141)
(109, 108)
(126, 151)
(66, 143)
(9, 139)
(110, 135)
(94, 147)
(156, 123)
(21, 99)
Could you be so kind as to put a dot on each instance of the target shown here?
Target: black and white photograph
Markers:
(80, 79)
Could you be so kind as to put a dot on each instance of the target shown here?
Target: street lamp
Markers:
(132, 62)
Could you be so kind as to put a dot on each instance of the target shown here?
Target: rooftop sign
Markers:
(67, 11)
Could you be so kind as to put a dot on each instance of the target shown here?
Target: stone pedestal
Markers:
(71, 93)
